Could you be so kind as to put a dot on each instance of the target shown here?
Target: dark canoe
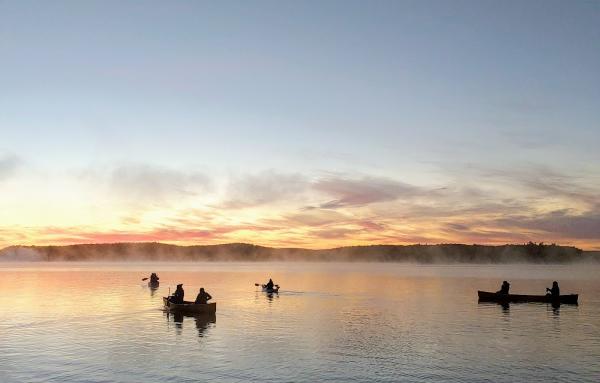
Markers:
(153, 285)
(191, 307)
(485, 296)
(274, 290)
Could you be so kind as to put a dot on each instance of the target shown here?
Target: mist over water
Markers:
(98, 322)
(244, 252)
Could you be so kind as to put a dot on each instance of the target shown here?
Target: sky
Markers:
(300, 124)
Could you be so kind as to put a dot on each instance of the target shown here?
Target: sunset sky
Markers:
(300, 123)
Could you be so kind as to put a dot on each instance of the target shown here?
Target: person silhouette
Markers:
(554, 291)
(177, 297)
(269, 285)
(203, 297)
(504, 288)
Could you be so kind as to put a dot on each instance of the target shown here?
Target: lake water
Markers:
(86, 322)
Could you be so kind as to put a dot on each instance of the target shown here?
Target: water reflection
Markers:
(202, 321)
(555, 306)
(152, 290)
(270, 296)
(504, 305)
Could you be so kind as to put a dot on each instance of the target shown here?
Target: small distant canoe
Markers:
(274, 290)
(153, 285)
(191, 307)
(485, 296)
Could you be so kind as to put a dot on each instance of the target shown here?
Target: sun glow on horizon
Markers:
(318, 213)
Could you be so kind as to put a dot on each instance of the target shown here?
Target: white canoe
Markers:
(191, 307)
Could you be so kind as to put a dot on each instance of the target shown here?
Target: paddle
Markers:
(144, 279)
(258, 284)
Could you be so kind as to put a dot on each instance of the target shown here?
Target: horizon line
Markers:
(297, 248)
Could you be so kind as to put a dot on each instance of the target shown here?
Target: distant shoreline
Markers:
(242, 252)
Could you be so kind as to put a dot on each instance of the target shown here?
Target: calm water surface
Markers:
(331, 322)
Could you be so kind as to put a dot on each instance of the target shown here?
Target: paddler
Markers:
(555, 290)
(203, 297)
(269, 285)
(177, 296)
(504, 288)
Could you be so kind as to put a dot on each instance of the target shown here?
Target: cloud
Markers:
(535, 182)
(558, 224)
(136, 184)
(370, 225)
(338, 233)
(312, 218)
(8, 166)
(458, 226)
(264, 188)
(363, 191)
(149, 181)
(480, 205)
(157, 234)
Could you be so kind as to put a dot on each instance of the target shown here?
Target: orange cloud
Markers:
(283, 210)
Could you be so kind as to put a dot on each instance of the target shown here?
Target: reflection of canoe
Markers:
(190, 307)
(153, 285)
(485, 296)
(270, 291)
(203, 320)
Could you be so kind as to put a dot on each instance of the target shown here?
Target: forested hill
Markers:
(442, 253)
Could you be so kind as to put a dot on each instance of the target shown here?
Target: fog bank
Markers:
(427, 254)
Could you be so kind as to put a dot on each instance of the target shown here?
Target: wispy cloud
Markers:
(533, 181)
(310, 218)
(561, 224)
(267, 187)
(8, 166)
(362, 191)
(135, 183)
(291, 209)
(143, 181)
(157, 234)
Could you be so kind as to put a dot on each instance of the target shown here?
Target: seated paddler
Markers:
(504, 288)
(203, 297)
(177, 296)
(269, 285)
(555, 290)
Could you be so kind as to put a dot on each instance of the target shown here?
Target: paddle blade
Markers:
(144, 279)
(256, 284)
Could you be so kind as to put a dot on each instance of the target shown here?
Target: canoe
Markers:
(485, 296)
(191, 307)
(274, 290)
(153, 285)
